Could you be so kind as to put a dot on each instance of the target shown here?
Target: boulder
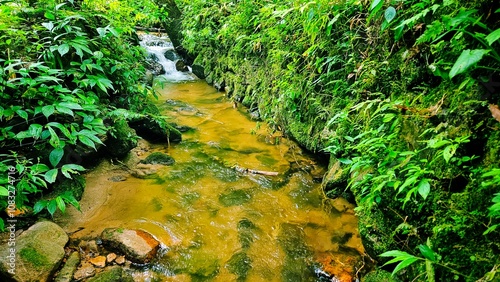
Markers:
(36, 254)
(69, 268)
(137, 245)
(114, 273)
(181, 66)
(199, 71)
(121, 139)
(158, 158)
(155, 131)
(172, 55)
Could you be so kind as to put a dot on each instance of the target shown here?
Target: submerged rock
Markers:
(37, 254)
(69, 268)
(137, 245)
(114, 273)
(172, 55)
(158, 158)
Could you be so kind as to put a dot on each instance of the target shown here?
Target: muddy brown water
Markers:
(215, 222)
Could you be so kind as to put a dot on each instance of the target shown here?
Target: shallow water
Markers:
(217, 223)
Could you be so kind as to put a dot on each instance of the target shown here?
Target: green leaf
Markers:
(449, 151)
(64, 110)
(39, 206)
(403, 264)
(48, 110)
(39, 168)
(50, 176)
(390, 14)
(52, 206)
(35, 130)
(492, 37)
(71, 105)
(63, 49)
(69, 198)
(3, 191)
(49, 16)
(85, 140)
(55, 156)
(375, 3)
(427, 252)
(424, 188)
(23, 114)
(467, 59)
(71, 168)
(60, 204)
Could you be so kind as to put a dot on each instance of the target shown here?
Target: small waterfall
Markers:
(157, 46)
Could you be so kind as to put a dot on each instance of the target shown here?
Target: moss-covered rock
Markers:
(114, 273)
(379, 275)
(158, 158)
(155, 130)
(36, 255)
(76, 186)
(121, 139)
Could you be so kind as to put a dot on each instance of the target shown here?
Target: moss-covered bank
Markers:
(411, 131)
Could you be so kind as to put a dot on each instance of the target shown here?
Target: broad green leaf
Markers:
(492, 37)
(49, 16)
(71, 105)
(35, 130)
(48, 110)
(403, 264)
(64, 110)
(50, 176)
(39, 168)
(55, 156)
(23, 114)
(60, 204)
(52, 206)
(71, 168)
(467, 59)
(375, 3)
(49, 25)
(424, 188)
(69, 198)
(427, 252)
(390, 14)
(63, 49)
(85, 140)
(4, 191)
(449, 151)
(39, 206)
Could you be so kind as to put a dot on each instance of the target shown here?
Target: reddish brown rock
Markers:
(137, 245)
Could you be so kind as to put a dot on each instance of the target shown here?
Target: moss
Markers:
(379, 275)
(158, 158)
(234, 197)
(76, 186)
(31, 255)
(121, 139)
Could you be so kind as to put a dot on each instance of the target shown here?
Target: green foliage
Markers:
(391, 90)
(63, 69)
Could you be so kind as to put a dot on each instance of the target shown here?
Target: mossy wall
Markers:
(412, 136)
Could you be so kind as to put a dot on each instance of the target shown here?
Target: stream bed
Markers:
(217, 222)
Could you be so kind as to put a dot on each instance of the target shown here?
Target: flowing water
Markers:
(216, 221)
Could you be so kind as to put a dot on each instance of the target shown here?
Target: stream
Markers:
(215, 222)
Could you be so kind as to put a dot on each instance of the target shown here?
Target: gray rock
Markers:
(137, 245)
(36, 255)
(85, 271)
(69, 268)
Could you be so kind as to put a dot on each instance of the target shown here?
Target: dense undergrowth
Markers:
(403, 95)
(69, 70)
